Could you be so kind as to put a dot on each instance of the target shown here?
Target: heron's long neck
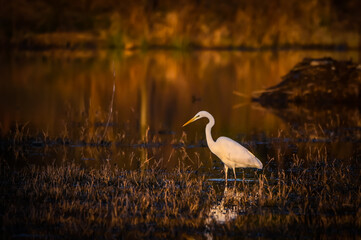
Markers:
(209, 138)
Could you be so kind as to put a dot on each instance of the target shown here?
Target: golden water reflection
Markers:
(67, 93)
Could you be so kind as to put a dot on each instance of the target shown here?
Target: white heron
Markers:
(231, 153)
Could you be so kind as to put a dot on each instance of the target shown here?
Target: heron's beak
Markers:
(190, 121)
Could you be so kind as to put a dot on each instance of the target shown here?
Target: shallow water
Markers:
(62, 99)
(159, 89)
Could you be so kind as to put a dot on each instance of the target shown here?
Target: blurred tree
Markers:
(211, 23)
(348, 14)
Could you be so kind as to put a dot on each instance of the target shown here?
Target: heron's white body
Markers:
(238, 157)
(231, 153)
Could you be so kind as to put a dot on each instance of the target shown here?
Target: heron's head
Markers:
(196, 117)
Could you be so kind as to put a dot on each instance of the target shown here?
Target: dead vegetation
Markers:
(306, 189)
(316, 84)
(314, 196)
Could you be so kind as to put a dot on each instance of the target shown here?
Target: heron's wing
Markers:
(234, 154)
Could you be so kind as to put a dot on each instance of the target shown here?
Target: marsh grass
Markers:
(304, 190)
(314, 197)
(69, 201)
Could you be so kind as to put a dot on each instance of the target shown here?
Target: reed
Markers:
(316, 195)
(304, 190)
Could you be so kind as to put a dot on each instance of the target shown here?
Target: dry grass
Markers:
(307, 193)
(316, 196)
(69, 201)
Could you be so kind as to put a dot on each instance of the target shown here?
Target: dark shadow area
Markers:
(323, 92)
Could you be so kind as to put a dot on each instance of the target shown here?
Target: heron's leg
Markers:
(225, 171)
(235, 176)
